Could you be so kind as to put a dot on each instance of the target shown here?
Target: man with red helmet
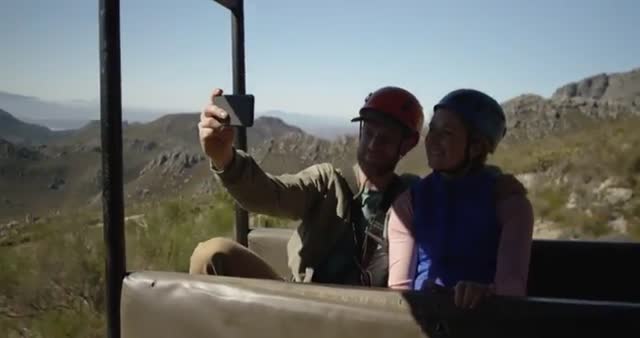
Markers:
(342, 235)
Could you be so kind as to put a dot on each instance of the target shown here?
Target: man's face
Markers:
(379, 148)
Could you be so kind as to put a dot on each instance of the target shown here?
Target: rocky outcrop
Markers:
(621, 87)
(530, 116)
(57, 184)
(10, 151)
(593, 87)
(172, 162)
(613, 192)
(599, 97)
(139, 145)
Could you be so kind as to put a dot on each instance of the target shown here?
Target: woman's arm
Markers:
(515, 213)
(402, 248)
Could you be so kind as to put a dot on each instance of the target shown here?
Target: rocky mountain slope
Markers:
(161, 158)
(617, 87)
(14, 130)
(575, 148)
(586, 102)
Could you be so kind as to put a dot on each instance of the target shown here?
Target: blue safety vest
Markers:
(456, 228)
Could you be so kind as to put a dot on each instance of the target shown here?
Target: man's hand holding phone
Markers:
(216, 124)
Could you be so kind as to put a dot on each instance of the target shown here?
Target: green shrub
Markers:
(54, 284)
(549, 201)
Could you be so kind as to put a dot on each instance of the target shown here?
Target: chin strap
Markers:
(464, 166)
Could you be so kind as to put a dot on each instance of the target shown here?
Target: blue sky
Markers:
(317, 57)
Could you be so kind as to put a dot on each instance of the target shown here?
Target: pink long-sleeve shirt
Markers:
(515, 215)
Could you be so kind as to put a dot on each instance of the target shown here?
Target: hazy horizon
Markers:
(315, 58)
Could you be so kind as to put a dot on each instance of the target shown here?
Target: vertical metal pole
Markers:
(112, 189)
(239, 87)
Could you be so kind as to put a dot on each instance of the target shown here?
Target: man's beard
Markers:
(375, 169)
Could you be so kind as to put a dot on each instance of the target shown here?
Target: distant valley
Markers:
(45, 172)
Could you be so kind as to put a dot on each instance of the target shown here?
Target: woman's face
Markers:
(446, 140)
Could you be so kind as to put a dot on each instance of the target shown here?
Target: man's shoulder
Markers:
(408, 179)
(326, 174)
(325, 169)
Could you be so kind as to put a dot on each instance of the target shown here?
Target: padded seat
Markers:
(271, 245)
(170, 305)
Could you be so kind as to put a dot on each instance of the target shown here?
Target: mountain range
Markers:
(43, 171)
(68, 115)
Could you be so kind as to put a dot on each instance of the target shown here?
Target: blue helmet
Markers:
(479, 112)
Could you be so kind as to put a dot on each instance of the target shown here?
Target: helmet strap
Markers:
(465, 166)
(399, 151)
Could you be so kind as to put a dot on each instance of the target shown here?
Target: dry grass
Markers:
(578, 162)
(53, 285)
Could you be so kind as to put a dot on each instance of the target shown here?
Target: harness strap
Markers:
(375, 246)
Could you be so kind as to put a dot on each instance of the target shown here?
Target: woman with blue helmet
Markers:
(465, 226)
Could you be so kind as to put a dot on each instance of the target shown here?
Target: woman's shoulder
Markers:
(508, 186)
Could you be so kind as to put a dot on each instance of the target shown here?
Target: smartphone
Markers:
(239, 107)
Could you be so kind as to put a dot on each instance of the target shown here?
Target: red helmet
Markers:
(396, 105)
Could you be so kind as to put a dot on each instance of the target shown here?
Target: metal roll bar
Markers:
(111, 138)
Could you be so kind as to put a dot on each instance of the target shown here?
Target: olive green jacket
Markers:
(319, 197)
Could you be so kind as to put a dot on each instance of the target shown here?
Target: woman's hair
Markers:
(476, 138)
